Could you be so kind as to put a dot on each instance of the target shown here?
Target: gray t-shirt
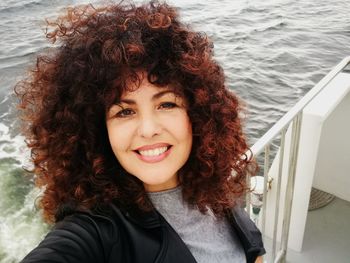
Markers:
(210, 240)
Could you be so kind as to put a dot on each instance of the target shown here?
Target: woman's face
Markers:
(151, 135)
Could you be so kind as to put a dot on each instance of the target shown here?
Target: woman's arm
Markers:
(78, 238)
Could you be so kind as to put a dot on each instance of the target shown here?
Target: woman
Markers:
(137, 142)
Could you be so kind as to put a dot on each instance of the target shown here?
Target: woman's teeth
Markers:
(154, 152)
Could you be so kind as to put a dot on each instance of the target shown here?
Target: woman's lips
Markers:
(153, 158)
(152, 146)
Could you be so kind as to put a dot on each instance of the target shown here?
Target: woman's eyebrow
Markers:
(154, 97)
(126, 101)
(162, 93)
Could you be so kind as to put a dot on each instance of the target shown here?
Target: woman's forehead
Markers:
(137, 85)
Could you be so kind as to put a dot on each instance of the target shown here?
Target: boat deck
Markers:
(327, 236)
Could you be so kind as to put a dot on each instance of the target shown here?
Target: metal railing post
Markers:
(247, 196)
(266, 175)
(278, 193)
(290, 183)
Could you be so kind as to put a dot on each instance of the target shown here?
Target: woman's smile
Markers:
(153, 155)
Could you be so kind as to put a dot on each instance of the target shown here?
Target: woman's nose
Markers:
(149, 126)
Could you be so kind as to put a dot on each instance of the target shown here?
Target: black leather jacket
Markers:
(129, 238)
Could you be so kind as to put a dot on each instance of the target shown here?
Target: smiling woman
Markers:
(136, 141)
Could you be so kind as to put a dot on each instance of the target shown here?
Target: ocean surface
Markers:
(273, 52)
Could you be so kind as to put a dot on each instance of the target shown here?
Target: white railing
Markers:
(292, 117)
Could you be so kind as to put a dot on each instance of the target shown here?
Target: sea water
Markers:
(272, 52)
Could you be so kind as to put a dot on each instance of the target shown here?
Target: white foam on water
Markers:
(21, 231)
(14, 147)
(21, 226)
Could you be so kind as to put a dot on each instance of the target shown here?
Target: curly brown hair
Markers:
(66, 95)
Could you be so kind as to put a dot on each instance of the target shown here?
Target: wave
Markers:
(23, 5)
(253, 9)
(272, 26)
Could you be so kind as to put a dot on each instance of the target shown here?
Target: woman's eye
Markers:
(125, 113)
(168, 105)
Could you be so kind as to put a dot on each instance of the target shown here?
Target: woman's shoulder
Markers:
(78, 237)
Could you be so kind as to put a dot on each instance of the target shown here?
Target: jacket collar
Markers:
(145, 219)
